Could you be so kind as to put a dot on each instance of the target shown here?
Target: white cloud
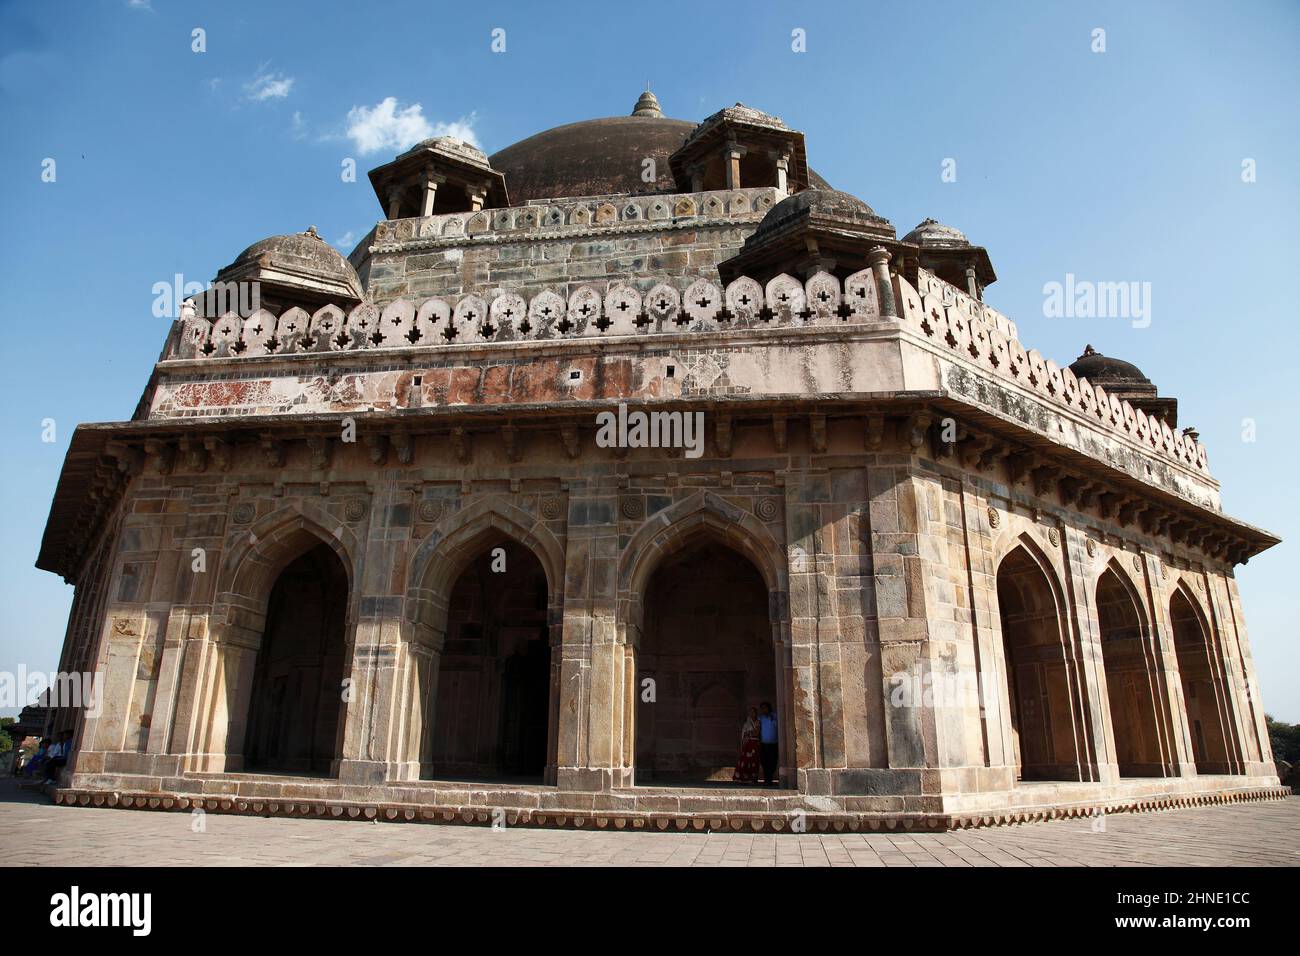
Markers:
(298, 127)
(385, 126)
(268, 86)
(346, 241)
(140, 5)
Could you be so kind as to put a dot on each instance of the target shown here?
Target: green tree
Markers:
(1284, 739)
(6, 742)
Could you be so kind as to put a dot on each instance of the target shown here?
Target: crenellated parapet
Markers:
(927, 283)
(647, 307)
(943, 317)
(956, 327)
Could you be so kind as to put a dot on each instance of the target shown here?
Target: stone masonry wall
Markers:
(878, 565)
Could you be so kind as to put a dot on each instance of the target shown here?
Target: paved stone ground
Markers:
(35, 832)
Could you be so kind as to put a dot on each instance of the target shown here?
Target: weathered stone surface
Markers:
(948, 564)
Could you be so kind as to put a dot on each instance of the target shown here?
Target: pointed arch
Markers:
(442, 554)
(711, 660)
(1206, 701)
(228, 660)
(679, 526)
(431, 659)
(250, 566)
(1044, 705)
(1124, 578)
(1135, 694)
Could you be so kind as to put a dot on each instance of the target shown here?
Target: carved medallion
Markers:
(1092, 548)
(1137, 562)
(633, 507)
(1054, 537)
(995, 518)
(430, 509)
(244, 512)
(766, 508)
(354, 510)
(551, 508)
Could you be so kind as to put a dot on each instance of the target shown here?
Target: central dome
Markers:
(593, 158)
(598, 157)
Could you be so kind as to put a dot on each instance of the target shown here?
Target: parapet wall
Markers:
(559, 245)
(624, 312)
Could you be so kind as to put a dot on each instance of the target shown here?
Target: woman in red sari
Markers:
(747, 764)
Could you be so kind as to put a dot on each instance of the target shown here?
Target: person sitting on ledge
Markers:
(58, 757)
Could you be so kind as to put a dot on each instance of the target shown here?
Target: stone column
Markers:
(378, 707)
(902, 545)
(216, 688)
(1172, 679)
(802, 714)
(431, 183)
(731, 156)
(1259, 755)
(697, 178)
(878, 258)
(180, 622)
(782, 160)
(592, 694)
(1096, 746)
(395, 202)
(1224, 660)
(972, 284)
(477, 198)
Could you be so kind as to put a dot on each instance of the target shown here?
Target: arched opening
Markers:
(1131, 685)
(1038, 678)
(491, 714)
(1205, 707)
(706, 643)
(296, 707)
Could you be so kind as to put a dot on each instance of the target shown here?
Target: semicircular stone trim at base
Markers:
(736, 821)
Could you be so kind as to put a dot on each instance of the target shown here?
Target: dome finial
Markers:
(647, 105)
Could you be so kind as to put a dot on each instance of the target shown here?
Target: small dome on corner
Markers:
(1106, 371)
(821, 203)
(297, 260)
(931, 233)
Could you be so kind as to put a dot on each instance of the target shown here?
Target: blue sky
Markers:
(1117, 166)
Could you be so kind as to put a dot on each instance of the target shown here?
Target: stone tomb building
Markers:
(360, 552)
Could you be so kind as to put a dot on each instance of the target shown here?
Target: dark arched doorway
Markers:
(706, 643)
(1132, 688)
(296, 709)
(1206, 706)
(492, 709)
(1038, 678)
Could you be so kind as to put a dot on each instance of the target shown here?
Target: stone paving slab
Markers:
(34, 832)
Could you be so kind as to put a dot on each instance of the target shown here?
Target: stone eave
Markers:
(978, 256)
(325, 285)
(90, 443)
(1039, 445)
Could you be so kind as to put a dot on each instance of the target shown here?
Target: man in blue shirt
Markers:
(767, 741)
